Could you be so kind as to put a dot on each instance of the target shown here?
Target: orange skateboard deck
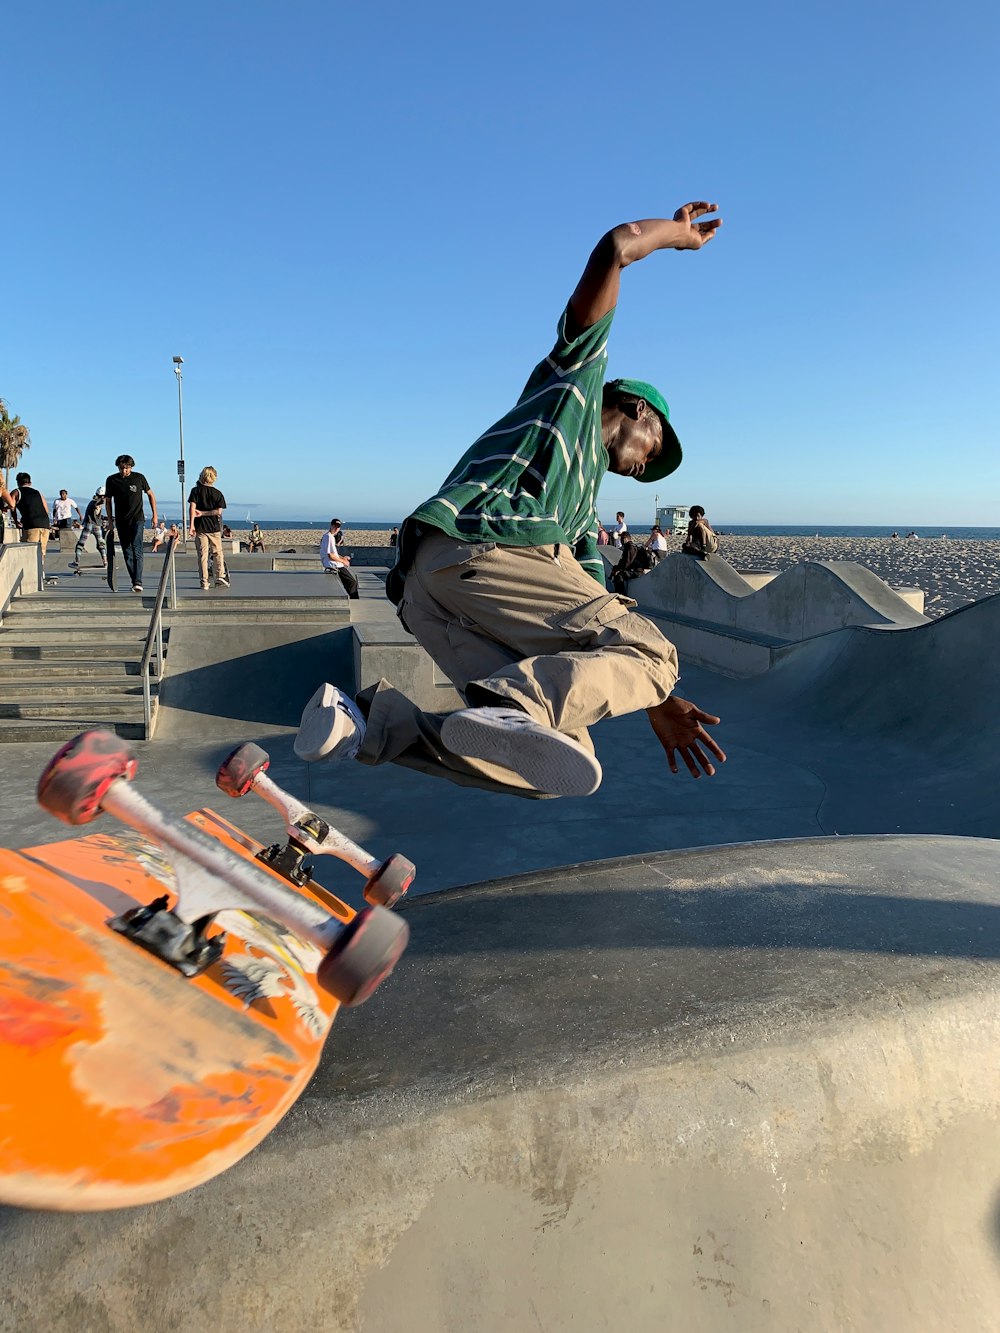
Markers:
(121, 1080)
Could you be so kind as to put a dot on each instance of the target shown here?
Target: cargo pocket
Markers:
(604, 621)
(462, 557)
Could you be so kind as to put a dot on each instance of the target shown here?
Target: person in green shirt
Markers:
(499, 577)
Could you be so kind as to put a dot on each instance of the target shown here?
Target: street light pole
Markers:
(178, 362)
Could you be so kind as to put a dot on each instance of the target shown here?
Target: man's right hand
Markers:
(696, 234)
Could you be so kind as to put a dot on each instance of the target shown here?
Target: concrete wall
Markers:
(20, 571)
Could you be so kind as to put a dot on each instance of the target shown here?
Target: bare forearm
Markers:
(597, 291)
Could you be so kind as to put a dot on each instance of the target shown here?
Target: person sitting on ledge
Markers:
(256, 539)
(335, 562)
(499, 577)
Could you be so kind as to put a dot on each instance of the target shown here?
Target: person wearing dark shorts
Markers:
(124, 490)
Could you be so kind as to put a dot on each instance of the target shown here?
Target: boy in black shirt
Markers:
(125, 488)
(205, 506)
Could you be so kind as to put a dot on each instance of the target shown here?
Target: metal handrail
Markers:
(154, 635)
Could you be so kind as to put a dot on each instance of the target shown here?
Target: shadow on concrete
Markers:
(265, 686)
(775, 916)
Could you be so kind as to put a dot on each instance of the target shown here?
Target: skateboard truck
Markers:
(308, 833)
(93, 773)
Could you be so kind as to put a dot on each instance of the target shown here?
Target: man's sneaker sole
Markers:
(547, 760)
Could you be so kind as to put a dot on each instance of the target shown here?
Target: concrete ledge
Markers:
(383, 649)
(20, 572)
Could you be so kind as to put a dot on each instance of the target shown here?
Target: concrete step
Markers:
(18, 731)
(55, 633)
(67, 671)
(75, 622)
(15, 648)
(102, 709)
(44, 687)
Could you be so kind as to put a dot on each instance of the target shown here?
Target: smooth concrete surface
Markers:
(20, 572)
(739, 1088)
(808, 1137)
(813, 597)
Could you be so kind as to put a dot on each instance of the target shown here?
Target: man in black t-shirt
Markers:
(205, 507)
(125, 489)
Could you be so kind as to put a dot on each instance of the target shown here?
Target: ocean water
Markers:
(730, 529)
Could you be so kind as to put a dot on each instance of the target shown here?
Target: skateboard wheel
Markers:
(237, 771)
(78, 775)
(364, 954)
(390, 881)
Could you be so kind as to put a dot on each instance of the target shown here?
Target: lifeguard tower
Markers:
(672, 518)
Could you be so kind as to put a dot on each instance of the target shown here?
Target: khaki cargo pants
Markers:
(521, 626)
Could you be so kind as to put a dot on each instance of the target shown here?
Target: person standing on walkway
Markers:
(32, 510)
(62, 511)
(92, 523)
(335, 561)
(621, 529)
(499, 577)
(124, 490)
(206, 504)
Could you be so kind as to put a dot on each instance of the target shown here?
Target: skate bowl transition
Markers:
(749, 1087)
(742, 1087)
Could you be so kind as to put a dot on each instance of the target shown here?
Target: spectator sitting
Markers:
(334, 562)
(700, 541)
(256, 539)
(159, 536)
(656, 545)
(227, 532)
(635, 561)
(602, 535)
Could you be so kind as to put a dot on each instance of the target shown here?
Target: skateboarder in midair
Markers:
(499, 576)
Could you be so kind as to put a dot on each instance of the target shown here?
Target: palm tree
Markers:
(14, 439)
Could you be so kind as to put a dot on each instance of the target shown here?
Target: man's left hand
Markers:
(680, 727)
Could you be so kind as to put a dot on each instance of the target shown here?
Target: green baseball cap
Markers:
(669, 458)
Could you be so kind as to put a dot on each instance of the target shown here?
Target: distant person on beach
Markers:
(256, 539)
(92, 524)
(700, 540)
(336, 561)
(62, 511)
(500, 579)
(205, 508)
(656, 544)
(123, 492)
(394, 537)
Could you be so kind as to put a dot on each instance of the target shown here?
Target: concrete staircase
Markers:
(60, 674)
(69, 662)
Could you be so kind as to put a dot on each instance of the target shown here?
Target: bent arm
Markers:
(597, 291)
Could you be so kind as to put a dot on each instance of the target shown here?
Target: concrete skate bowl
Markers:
(813, 597)
(902, 725)
(739, 1088)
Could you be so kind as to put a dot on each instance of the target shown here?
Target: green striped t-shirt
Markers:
(532, 478)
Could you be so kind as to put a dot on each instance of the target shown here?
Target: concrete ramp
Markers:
(814, 597)
(740, 1088)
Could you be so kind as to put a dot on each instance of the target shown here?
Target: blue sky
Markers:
(358, 225)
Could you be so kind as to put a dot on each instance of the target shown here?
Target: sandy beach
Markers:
(951, 573)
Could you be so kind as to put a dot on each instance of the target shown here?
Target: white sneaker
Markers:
(331, 727)
(549, 761)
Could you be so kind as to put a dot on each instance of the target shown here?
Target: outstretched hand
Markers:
(680, 728)
(696, 234)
